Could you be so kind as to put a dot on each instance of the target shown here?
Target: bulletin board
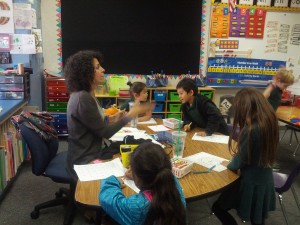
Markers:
(253, 61)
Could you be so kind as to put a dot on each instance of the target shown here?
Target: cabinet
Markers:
(166, 99)
(14, 87)
(56, 103)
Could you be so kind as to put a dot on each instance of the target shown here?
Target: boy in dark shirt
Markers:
(198, 110)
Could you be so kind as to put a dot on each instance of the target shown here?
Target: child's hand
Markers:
(202, 134)
(225, 163)
(128, 174)
(121, 182)
(186, 128)
(139, 109)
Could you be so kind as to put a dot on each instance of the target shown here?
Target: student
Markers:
(198, 110)
(253, 194)
(160, 200)
(89, 130)
(139, 94)
(281, 81)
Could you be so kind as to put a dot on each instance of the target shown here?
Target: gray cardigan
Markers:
(86, 129)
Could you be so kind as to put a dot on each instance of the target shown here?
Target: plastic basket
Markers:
(174, 107)
(181, 167)
(208, 94)
(158, 107)
(173, 96)
(159, 96)
(172, 123)
(174, 115)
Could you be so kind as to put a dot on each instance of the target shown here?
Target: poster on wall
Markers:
(6, 17)
(281, 3)
(23, 44)
(241, 72)
(263, 3)
(238, 22)
(246, 2)
(22, 16)
(256, 23)
(219, 23)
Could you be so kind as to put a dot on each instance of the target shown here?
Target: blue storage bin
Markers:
(159, 96)
(160, 116)
(158, 107)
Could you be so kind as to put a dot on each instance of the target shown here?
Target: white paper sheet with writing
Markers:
(131, 184)
(207, 160)
(99, 171)
(158, 128)
(119, 136)
(223, 139)
(151, 121)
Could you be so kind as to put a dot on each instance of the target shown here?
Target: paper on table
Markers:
(119, 136)
(97, 171)
(207, 160)
(158, 128)
(151, 121)
(131, 184)
(223, 139)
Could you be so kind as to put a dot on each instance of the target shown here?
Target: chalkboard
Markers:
(135, 36)
(279, 47)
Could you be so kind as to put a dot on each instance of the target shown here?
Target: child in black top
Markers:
(281, 81)
(199, 110)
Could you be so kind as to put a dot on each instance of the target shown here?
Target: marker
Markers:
(205, 171)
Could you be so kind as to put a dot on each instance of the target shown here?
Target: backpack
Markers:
(41, 122)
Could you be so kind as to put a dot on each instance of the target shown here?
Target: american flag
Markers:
(232, 5)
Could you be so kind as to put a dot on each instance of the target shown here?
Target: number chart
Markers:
(241, 72)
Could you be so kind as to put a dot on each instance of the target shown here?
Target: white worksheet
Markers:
(131, 184)
(158, 128)
(151, 121)
(97, 171)
(207, 160)
(223, 139)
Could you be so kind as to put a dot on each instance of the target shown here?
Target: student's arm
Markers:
(239, 160)
(88, 114)
(146, 117)
(213, 117)
(268, 91)
(124, 210)
(186, 118)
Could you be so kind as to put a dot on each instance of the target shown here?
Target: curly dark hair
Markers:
(79, 70)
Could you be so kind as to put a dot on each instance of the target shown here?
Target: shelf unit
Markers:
(166, 98)
(56, 103)
(15, 87)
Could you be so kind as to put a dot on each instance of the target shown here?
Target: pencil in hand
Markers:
(187, 127)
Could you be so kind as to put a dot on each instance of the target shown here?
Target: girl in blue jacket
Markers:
(160, 200)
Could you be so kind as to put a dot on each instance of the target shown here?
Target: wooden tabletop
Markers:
(284, 113)
(194, 186)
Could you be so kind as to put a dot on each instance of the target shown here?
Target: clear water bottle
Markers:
(134, 121)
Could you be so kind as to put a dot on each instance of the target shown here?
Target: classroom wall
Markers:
(52, 49)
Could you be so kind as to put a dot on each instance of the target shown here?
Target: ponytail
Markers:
(153, 170)
(166, 206)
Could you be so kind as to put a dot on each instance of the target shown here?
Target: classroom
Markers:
(172, 72)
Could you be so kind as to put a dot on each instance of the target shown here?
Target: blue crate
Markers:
(158, 107)
(159, 96)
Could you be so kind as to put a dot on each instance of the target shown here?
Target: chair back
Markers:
(42, 152)
(290, 180)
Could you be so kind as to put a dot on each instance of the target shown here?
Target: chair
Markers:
(46, 162)
(283, 182)
(293, 130)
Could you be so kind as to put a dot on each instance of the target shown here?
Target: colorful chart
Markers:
(241, 72)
